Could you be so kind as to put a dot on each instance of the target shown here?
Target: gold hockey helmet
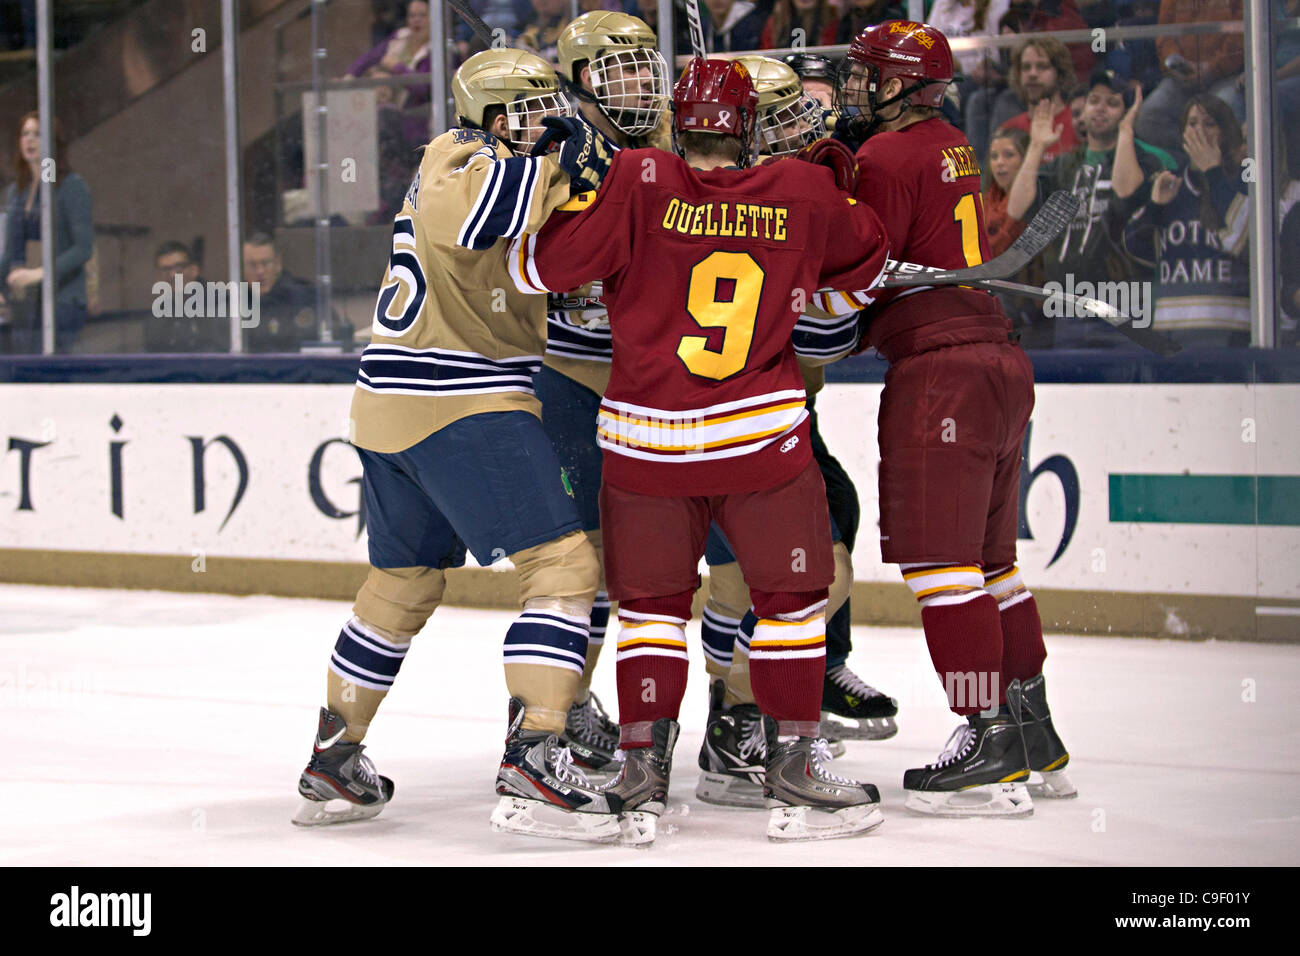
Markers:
(525, 84)
(788, 118)
(629, 78)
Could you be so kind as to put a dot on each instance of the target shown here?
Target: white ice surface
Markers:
(144, 728)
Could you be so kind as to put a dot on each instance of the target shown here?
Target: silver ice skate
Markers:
(807, 802)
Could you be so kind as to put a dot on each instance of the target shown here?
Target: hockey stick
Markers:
(696, 28)
(1038, 235)
(475, 22)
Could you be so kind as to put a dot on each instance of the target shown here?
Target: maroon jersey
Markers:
(705, 275)
(924, 183)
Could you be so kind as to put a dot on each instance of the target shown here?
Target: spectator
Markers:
(179, 332)
(1109, 175)
(405, 52)
(729, 26)
(550, 17)
(1136, 60)
(1078, 99)
(972, 18)
(809, 22)
(508, 16)
(1044, 16)
(1193, 63)
(1194, 227)
(991, 104)
(20, 263)
(287, 304)
(1006, 154)
(857, 15)
(1041, 71)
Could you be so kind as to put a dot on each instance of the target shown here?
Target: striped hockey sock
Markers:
(787, 665)
(545, 651)
(1023, 650)
(361, 671)
(963, 632)
(595, 641)
(652, 668)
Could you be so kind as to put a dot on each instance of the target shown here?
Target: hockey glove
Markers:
(583, 152)
(836, 157)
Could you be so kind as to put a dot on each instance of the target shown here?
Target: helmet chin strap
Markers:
(870, 127)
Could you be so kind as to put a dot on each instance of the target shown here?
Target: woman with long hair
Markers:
(1194, 230)
(21, 271)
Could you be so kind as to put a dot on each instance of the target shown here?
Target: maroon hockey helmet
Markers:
(916, 53)
(717, 96)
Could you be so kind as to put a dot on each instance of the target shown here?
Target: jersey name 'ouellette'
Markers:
(742, 220)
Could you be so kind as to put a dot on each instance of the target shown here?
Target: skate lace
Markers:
(563, 767)
(958, 745)
(592, 723)
(364, 770)
(821, 754)
(754, 743)
(851, 682)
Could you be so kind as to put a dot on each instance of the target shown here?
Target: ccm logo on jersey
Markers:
(789, 443)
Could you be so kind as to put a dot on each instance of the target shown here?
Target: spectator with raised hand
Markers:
(1193, 63)
(1006, 155)
(1041, 72)
(809, 22)
(21, 269)
(1194, 228)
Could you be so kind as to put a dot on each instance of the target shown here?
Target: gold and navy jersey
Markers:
(451, 335)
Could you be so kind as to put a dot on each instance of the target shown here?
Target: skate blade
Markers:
(316, 813)
(539, 819)
(791, 824)
(865, 728)
(989, 800)
(640, 827)
(1051, 785)
(723, 790)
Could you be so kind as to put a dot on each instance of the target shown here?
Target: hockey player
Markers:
(447, 427)
(609, 63)
(957, 399)
(731, 757)
(705, 272)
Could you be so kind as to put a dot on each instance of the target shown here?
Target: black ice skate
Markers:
(591, 736)
(544, 794)
(340, 783)
(807, 802)
(734, 755)
(642, 784)
(982, 771)
(1047, 754)
(854, 710)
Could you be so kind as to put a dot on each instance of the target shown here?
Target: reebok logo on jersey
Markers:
(789, 443)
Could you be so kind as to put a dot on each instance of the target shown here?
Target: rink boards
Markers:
(1155, 509)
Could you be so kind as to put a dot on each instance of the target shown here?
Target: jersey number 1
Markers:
(723, 294)
(966, 214)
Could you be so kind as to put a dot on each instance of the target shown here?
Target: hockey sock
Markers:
(718, 632)
(595, 641)
(787, 661)
(739, 686)
(545, 653)
(1023, 650)
(963, 632)
(362, 668)
(652, 665)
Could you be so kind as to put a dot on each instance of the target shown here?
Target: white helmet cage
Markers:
(524, 116)
(787, 129)
(631, 87)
